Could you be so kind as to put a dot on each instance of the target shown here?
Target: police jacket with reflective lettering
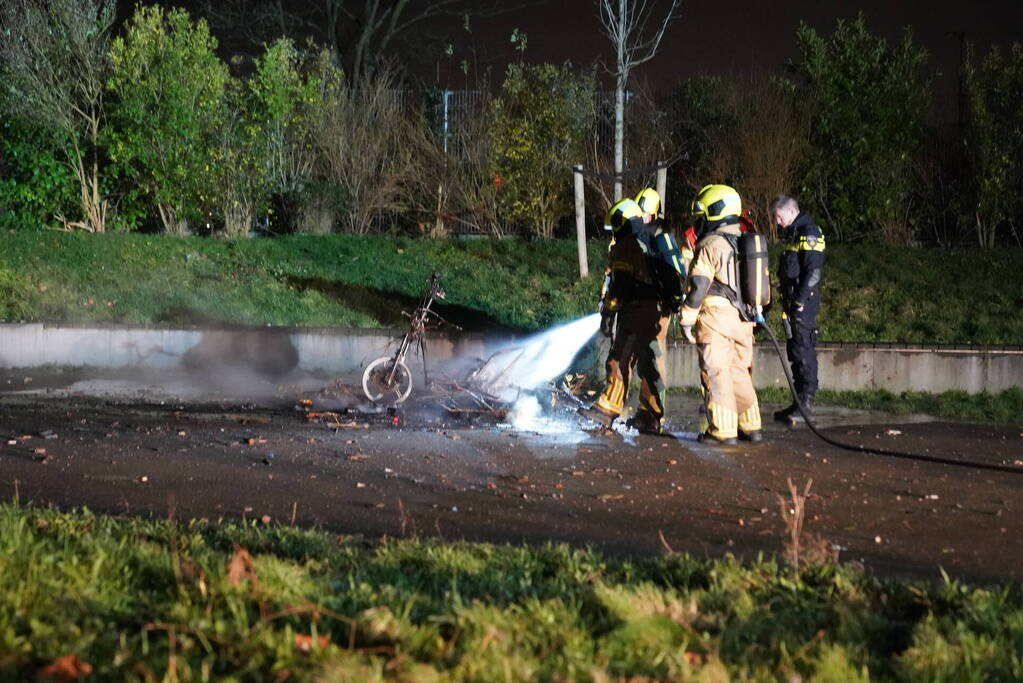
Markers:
(800, 265)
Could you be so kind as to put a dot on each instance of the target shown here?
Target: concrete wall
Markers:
(892, 369)
(347, 351)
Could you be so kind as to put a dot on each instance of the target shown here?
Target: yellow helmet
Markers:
(717, 202)
(620, 213)
(649, 201)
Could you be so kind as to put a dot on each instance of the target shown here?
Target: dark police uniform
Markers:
(799, 273)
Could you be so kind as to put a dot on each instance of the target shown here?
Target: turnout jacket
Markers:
(712, 272)
(645, 265)
(800, 265)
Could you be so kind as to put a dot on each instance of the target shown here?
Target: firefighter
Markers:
(723, 337)
(669, 274)
(640, 292)
(799, 274)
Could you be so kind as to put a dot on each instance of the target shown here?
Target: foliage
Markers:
(866, 103)
(944, 176)
(35, 182)
(454, 190)
(743, 131)
(994, 140)
(169, 112)
(698, 117)
(539, 120)
(137, 599)
(54, 63)
(362, 140)
(288, 91)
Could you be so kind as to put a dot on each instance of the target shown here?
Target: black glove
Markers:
(607, 324)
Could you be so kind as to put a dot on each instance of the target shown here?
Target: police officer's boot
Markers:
(786, 414)
(809, 408)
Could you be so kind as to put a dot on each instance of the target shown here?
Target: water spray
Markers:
(525, 366)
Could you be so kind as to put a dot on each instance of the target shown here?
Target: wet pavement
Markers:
(288, 454)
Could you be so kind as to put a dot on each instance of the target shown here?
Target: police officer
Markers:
(799, 274)
(723, 336)
(635, 310)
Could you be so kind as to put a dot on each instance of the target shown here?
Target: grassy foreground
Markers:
(133, 599)
(870, 293)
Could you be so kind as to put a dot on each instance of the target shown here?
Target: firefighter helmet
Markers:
(718, 202)
(649, 201)
(620, 213)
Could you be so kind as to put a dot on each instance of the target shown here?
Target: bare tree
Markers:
(363, 34)
(767, 145)
(636, 35)
(55, 63)
(646, 151)
(362, 141)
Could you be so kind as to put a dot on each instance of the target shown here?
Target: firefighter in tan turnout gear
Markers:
(722, 335)
(643, 289)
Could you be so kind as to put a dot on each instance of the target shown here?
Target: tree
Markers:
(698, 118)
(539, 123)
(281, 100)
(363, 149)
(994, 139)
(866, 103)
(626, 23)
(364, 35)
(169, 112)
(54, 63)
(761, 152)
(35, 179)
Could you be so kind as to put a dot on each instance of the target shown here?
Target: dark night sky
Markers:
(726, 37)
(715, 37)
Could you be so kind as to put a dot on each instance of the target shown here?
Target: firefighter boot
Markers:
(707, 437)
(755, 436)
(645, 423)
(595, 414)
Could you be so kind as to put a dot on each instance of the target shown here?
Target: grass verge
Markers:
(132, 599)
(870, 294)
(1005, 406)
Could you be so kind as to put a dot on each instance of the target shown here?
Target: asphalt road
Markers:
(329, 462)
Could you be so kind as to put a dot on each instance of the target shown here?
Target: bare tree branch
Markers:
(627, 24)
(363, 34)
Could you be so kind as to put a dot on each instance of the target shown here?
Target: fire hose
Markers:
(866, 449)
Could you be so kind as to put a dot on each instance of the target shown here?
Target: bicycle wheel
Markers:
(376, 386)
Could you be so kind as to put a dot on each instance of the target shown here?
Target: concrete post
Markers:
(580, 221)
(662, 183)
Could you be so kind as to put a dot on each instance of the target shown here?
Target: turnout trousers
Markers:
(725, 344)
(639, 344)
